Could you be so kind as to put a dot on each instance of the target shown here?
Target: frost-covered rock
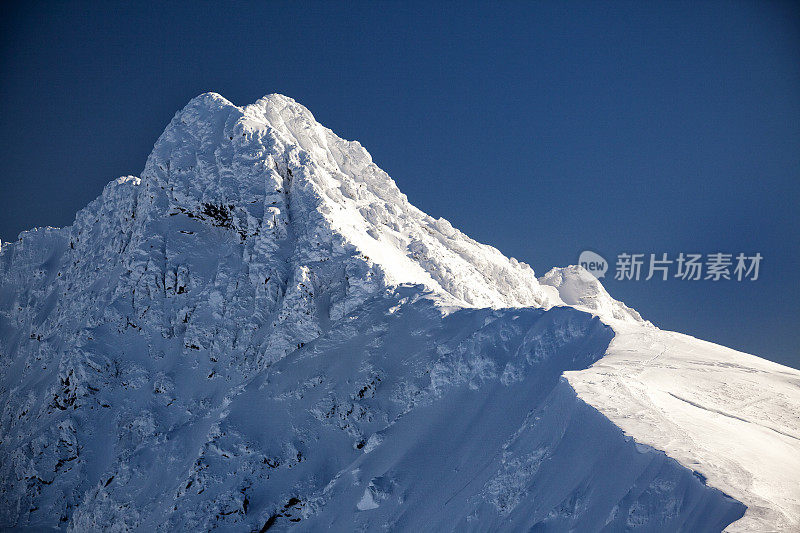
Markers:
(580, 289)
(260, 331)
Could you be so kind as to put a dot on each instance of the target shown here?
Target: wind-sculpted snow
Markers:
(729, 415)
(261, 332)
(579, 289)
(271, 173)
(399, 418)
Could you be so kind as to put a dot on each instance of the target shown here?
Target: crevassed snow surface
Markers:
(261, 333)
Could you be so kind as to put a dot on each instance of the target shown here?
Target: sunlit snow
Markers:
(261, 333)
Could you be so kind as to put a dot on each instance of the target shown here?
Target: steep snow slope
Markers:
(729, 415)
(261, 331)
(395, 418)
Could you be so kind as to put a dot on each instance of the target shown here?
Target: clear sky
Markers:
(540, 128)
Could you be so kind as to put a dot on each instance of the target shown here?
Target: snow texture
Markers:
(261, 333)
(728, 415)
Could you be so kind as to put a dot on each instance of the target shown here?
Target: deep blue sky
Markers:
(541, 129)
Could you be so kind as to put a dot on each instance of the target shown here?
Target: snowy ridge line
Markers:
(728, 415)
(261, 330)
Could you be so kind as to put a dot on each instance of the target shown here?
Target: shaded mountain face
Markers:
(260, 332)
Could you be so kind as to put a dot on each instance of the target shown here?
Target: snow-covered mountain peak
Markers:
(224, 343)
(269, 171)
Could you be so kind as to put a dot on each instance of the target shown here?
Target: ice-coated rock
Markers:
(261, 332)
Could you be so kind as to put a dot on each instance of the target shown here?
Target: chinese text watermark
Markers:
(683, 266)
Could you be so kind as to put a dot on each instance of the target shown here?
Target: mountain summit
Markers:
(261, 332)
(269, 170)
